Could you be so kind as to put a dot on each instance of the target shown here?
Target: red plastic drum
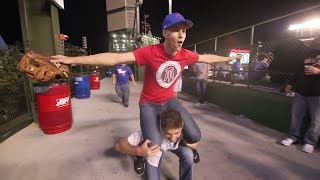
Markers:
(94, 81)
(54, 109)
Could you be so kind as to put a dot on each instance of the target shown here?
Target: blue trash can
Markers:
(109, 73)
(82, 86)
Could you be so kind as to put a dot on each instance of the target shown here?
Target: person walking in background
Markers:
(221, 74)
(201, 71)
(163, 65)
(307, 97)
(236, 70)
(259, 69)
(120, 78)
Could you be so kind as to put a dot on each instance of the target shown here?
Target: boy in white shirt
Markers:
(171, 126)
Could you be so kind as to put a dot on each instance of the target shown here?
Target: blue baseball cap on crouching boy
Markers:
(175, 18)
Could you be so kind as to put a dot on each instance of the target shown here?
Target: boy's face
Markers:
(173, 134)
(175, 36)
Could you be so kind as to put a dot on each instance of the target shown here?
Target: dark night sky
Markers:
(84, 17)
(211, 19)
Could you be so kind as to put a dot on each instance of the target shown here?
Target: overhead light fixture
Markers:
(312, 24)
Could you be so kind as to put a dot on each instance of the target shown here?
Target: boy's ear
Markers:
(164, 33)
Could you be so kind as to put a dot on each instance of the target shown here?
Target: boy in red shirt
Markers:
(163, 64)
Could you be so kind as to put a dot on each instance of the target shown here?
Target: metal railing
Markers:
(268, 41)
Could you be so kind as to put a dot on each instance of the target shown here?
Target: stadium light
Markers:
(312, 24)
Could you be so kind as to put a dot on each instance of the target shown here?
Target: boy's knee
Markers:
(188, 156)
(193, 139)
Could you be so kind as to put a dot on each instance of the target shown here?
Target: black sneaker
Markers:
(196, 156)
(139, 165)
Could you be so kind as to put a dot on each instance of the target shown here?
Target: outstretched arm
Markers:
(211, 58)
(113, 79)
(108, 59)
(125, 147)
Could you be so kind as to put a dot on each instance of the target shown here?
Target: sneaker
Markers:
(288, 142)
(196, 156)
(139, 165)
(308, 148)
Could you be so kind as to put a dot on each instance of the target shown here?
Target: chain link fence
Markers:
(14, 106)
(270, 52)
(13, 102)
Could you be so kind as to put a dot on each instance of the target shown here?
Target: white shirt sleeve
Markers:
(135, 138)
(165, 146)
(155, 160)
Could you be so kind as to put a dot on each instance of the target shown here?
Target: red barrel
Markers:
(94, 81)
(54, 109)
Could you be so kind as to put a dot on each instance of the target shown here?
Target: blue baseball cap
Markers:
(175, 18)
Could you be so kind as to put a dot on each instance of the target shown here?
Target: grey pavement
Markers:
(232, 147)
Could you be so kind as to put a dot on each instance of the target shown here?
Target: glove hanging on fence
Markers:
(38, 67)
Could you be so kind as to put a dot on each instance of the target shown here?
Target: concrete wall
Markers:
(117, 4)
(272, 110)
(120, 20)
(269, 109)
(40, 25)
(112, 4)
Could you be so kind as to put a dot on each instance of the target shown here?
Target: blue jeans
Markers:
(150, 122)
(123, 92)
(300, 105)
(186, 163)
(201, 85)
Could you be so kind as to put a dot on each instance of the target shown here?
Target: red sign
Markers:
(240, 50)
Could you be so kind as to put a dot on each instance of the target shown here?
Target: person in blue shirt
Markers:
(120, 78)
(259, 69)
(236, 70)
(236, 67)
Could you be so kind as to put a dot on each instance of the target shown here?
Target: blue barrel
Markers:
(82, 86)
(109, 73)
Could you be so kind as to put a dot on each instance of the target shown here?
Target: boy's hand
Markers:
(147, 151)
(192, 146)
(311, 70)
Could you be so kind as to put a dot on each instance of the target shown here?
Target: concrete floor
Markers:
(232, 147)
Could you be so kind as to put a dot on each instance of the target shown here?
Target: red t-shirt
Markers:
(161, 71)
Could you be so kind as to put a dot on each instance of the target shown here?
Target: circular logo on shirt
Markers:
(167, 73)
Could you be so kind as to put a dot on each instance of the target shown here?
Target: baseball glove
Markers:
(38, 67)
